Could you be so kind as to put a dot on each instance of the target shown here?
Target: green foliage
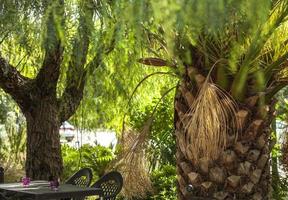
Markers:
(105, 106)
(13, 133)
(162, 145)
(279, 170)
(164, 182)
(95, 157)
(71, 161)
(282, 105)
(281, 192)
(12, 141)
(249, 37)
(6, 105)
(202, 34)
(15, 127)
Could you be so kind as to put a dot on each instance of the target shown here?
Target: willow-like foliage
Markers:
(25, 36)
(248, 35)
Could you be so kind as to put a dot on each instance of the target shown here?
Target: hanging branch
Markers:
(137, 86)
(49, 73)
(78, 69)
(76, 75)
(132, 160)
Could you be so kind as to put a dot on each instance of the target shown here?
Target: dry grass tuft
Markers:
(211, 117)
(132, 163)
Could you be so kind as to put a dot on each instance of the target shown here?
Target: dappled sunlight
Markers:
(184, 98)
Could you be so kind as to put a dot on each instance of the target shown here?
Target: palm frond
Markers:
(132, 162)
(276, 19)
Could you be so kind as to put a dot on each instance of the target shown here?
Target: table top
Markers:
(41, 190)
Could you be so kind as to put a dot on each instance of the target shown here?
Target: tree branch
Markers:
(13, 83)
(49, 73)
(271, 92)
(76, 75)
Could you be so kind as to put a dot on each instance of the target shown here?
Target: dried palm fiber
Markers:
(132, 162)
(210, 118)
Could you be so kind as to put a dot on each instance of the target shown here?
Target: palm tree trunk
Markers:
(241, 171)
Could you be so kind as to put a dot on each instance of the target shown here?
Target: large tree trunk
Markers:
(43, 142)
(241, 172)
(37, 97)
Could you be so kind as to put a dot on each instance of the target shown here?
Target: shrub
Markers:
(164, 182)
(95, 157)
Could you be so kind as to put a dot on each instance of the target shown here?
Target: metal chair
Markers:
(82, 178)
(1, 174)
(3, 197)
(111, 184)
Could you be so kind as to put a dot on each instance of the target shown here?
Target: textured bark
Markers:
(43, 157)
(43, 141)
(13, 83)
(71, 98)
(37, 97)
(241, 171)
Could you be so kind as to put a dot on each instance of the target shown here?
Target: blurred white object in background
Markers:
(76, 138)
(67, 131)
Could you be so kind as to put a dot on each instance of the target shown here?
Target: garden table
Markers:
(40, 190)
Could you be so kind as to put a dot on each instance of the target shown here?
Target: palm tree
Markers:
(230, 64)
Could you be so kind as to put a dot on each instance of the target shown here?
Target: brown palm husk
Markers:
(132, 163)
(211, 117)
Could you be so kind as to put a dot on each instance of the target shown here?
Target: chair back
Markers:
(81, 178)
(111, 184)
(1, 175)
(3, 197)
